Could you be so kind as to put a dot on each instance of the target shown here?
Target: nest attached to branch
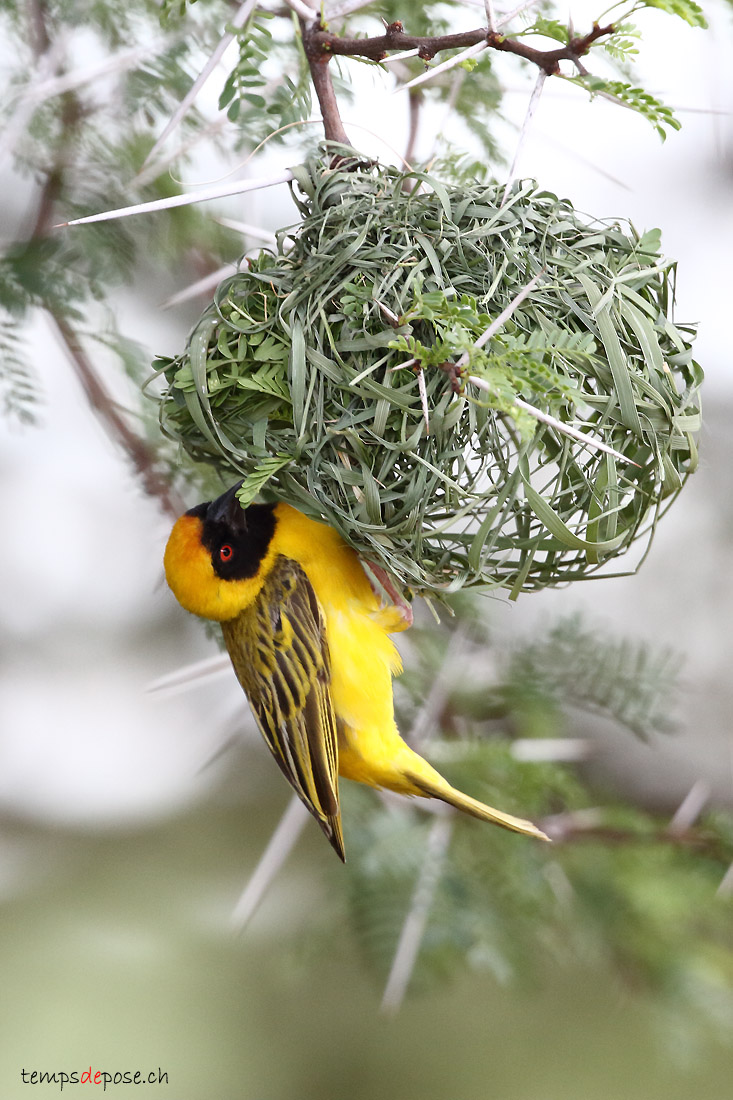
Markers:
(326, 375)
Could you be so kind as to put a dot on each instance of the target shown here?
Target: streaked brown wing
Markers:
(279, 653)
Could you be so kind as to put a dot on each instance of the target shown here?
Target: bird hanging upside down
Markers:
(308, 639)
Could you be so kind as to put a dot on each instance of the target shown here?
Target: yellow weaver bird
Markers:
(309, 642)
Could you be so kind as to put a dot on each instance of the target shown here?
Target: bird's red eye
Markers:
(226, 553)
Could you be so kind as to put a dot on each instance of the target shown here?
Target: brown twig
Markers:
(142, 455)
(155, 481)
(322, 44)
(318, 60)
(37, 29)
(71, 115)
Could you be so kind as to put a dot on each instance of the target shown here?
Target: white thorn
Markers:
(559, 425)
(531, 108)
(237, 187)
(278, 849)
(189, 676)
(507, 18)
(537, 750)
(690, 808)
(400, 56)
(240, 18)
(451, 63)
(504, 316)
(305, 11)
(248, 230)
(201, 286)
(413, 929)
(423, 398)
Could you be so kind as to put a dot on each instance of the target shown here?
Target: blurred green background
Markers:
(119, 954)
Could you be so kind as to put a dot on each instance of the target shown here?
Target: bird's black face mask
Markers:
(237, 538)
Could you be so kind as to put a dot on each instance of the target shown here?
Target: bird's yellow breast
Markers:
(363, 657)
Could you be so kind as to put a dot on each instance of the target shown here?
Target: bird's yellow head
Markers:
(218, 556)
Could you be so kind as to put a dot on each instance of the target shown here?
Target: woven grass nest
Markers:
(325, 375)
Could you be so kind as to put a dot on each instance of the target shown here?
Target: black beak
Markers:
(226, 509)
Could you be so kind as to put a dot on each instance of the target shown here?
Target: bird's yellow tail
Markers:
(439, 788)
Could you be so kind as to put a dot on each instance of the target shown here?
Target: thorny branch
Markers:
(318, 62)
(321, 45)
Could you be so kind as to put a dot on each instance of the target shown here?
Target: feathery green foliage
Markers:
(86, 148)
(616, 888)
(662, 118)
(688, 10)
(624, 678)
(17, 384)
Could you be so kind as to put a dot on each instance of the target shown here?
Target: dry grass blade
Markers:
(502, 318)
(423, 398)
(566, 429)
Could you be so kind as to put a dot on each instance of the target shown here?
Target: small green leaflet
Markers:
(635, 98)
(688, 10)
(550, 28)
(256, 481)
(622, 44)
